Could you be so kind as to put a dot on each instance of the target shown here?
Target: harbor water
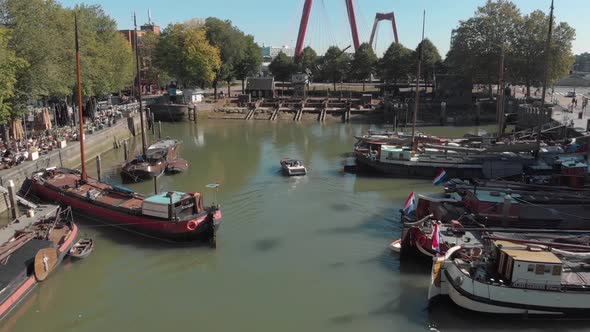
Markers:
(293, 254)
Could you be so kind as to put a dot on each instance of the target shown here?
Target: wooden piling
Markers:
(155, 185)
(98, 168)
(12, 199)
(159, 129)
(125, 150)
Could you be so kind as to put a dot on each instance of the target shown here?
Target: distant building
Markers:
(146, 86)
(130, 34)
(271, 52)
(260, 87)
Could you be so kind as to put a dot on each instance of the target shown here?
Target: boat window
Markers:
(540, 269)
(531, 268)
(556, 270)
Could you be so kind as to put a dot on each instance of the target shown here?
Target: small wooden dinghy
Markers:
(82, 248)
(176, 166)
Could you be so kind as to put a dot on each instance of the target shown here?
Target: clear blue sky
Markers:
(275, 22)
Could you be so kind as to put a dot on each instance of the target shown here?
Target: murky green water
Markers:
(294, 254)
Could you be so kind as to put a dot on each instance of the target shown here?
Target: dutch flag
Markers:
(410, 204)
(439, 177)
(436, 238)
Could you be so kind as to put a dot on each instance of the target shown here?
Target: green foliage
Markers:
(231, 42)
(43, 36)
(476, 46)
(396, 63)
(9, 66)
(150, 72)
(364, 62)
(478, 42)
(185, 53)
(430, 59)
(334, 65)
(307, 60)
(250, 62)
(282, 67)
(108, 64)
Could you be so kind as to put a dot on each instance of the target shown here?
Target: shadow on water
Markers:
(264, 245)
(124, 237)
(444, 316)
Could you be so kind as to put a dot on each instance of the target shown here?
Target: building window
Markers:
(556, 270)
(548, 269)
(540, 269)
(531, 268)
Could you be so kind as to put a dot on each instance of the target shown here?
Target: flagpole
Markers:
(418, 84)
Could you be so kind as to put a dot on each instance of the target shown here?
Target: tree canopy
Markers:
(364, 62)
(250, 62)
(43, 37)
(240, 55)
(334, 65)
(307, 60)
(478, 43)
(9, 65)
(430, 59)
(282, 67)
(396, 63)
(185, 53)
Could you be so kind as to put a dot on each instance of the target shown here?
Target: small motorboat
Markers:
(82, 249)
(292, 167)
(176, 166)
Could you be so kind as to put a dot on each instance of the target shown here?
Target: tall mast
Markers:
(418, 84)
(545, 74)
(79, 90)
(143, 139)
(500, 97)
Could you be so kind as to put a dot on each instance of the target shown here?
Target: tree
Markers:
(232, 44)
(10, 64)
(307, 60)
(108, 63)
(250, 62)
(396, 63)
(186, 54)
(282, 67)
(334, 65)
(478, 41)
(151, 73)
(430, 59)
(37, 38)
(529, 51)
(363, 64)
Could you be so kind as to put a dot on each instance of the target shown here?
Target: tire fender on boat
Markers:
(191, 225)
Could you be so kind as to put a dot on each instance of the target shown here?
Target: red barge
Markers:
(170, 216)
(31, 248)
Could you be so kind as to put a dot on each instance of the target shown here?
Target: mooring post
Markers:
(195, 114)
(155, 185)
(152, 122)
(159, 129)
(125, 150)
(12, 199)
(98, 168)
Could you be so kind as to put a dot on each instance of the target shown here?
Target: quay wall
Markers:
(95, 144)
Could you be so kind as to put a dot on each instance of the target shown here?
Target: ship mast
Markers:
(418, 84)
(545, 74)
(143, 138)
(79, 91)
